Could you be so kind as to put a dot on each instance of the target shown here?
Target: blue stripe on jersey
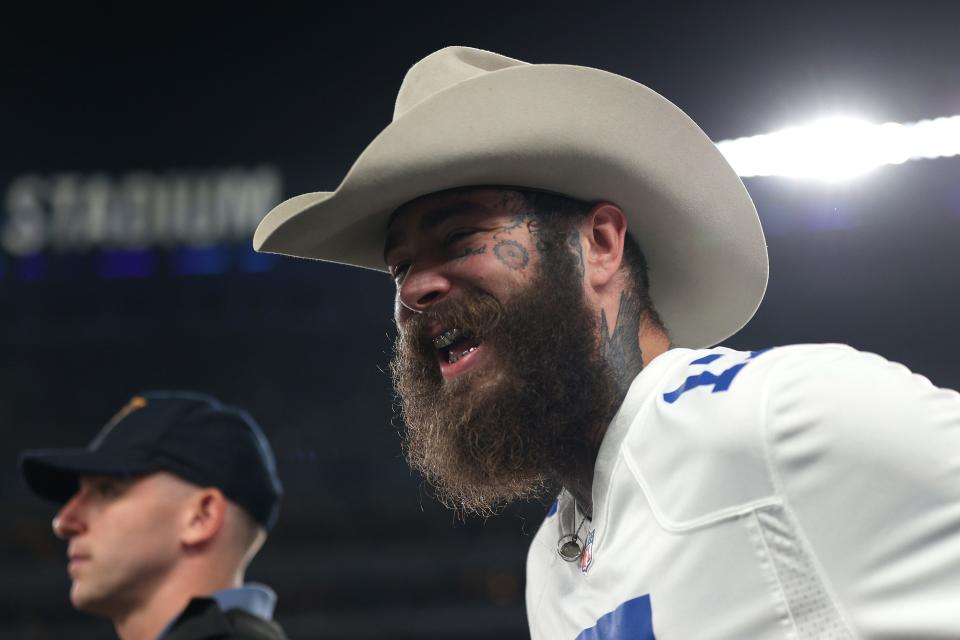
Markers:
(719, 382)
(553, 507)
(632, 620)
(707, 359)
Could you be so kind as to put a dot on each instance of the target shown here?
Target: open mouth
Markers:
(453, 344)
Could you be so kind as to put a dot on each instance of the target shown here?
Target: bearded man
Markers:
(799, 492)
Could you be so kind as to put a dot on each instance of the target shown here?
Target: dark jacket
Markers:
(203, 619)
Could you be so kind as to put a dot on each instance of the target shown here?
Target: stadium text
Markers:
(70, 212)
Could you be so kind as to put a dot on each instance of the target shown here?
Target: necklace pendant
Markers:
(570, 547)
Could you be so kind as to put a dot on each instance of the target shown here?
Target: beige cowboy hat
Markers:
(471, 117)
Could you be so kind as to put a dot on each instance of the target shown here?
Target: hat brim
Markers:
(582, 132)
(53, 474)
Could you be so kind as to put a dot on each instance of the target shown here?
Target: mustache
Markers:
(475, 313)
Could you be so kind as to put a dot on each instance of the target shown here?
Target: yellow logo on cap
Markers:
(136, 402)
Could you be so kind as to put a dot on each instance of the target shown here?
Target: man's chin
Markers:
(82, 599)
(469, 493)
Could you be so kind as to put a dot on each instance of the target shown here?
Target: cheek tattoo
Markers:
(509, 229)
(512, 254)
(573, 241)
(470, 251)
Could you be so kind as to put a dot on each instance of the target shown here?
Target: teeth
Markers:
(446, 338)
(453, 357)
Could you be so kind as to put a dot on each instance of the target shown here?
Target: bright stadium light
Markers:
(836, 149)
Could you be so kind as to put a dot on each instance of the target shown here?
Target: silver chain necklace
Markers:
(570, 546)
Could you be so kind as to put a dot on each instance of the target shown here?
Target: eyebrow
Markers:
(431, 220)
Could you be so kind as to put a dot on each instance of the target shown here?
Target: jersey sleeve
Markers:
(866, 456)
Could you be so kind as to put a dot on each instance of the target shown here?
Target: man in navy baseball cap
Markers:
(163, 511)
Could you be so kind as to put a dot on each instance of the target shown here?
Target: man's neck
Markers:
(146, 622)
(168, 601)
(582, 496)
(619, 343)
(631, 359)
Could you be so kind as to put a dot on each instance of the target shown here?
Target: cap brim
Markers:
(53, 474)
(582, 132)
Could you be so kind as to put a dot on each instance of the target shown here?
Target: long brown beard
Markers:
(525, 420)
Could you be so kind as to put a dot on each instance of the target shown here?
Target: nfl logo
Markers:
(587, 556)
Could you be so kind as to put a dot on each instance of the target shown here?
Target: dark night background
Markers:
(361, 550)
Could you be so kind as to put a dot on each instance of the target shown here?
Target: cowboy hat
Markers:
(471, 117)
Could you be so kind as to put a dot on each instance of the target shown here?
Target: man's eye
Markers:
(107, 489)
(459, 234)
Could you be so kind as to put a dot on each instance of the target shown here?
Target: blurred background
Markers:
(140, 146)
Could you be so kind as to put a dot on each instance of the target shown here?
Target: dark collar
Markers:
(203, 619)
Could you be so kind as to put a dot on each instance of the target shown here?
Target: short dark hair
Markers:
(562, 212)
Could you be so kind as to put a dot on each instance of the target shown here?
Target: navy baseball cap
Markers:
(190, 435)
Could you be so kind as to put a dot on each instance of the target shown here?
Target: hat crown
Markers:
(443, 69)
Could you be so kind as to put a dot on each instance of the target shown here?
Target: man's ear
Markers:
(603, 231)
(204, 516)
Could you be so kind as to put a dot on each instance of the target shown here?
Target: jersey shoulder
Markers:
(857, 412)
(698, 444)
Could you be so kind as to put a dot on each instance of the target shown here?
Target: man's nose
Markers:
(69, 520)
(421, 288)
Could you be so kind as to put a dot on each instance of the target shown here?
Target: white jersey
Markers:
(809, 491)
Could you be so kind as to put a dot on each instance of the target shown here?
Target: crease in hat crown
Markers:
(444, 69)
